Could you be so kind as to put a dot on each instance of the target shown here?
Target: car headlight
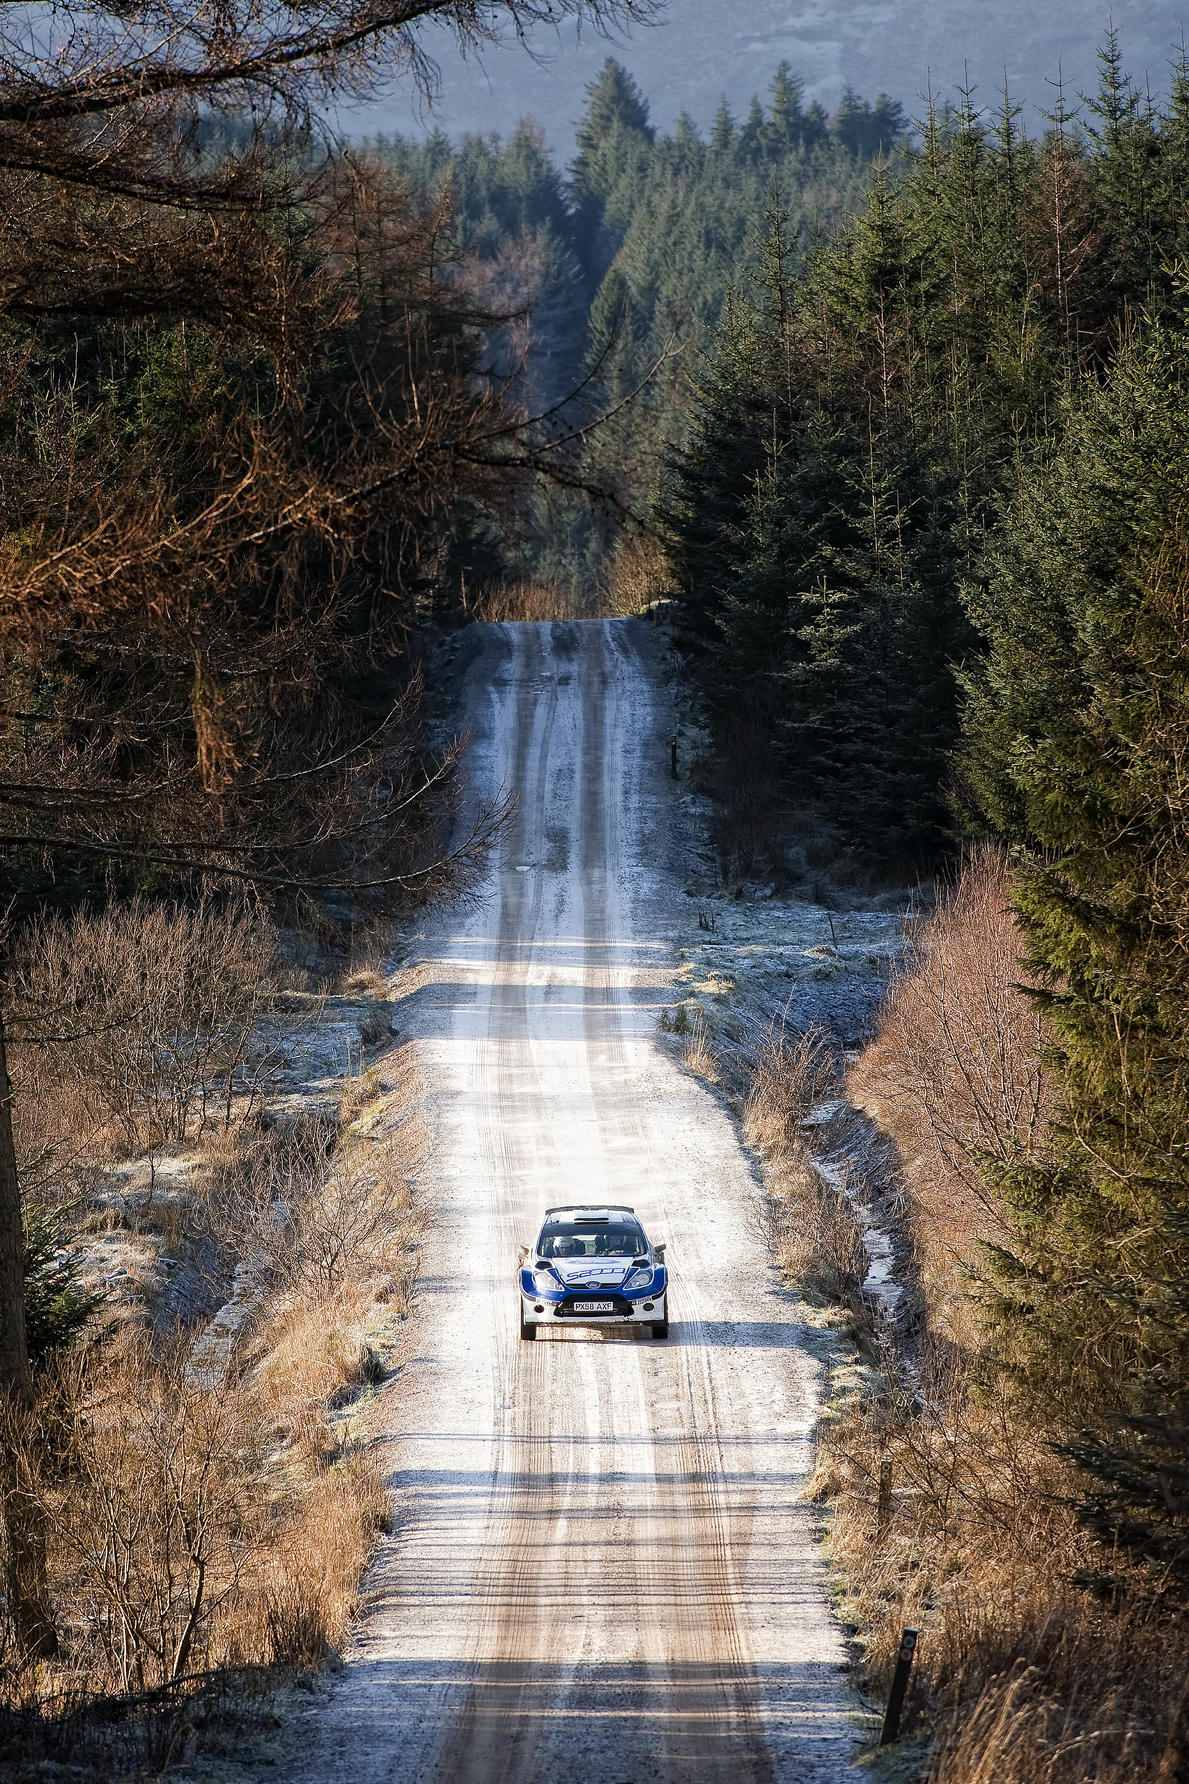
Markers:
(640, 1278)
(544, 1279)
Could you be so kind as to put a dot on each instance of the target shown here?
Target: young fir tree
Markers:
(1077, 739)
(1126, 180)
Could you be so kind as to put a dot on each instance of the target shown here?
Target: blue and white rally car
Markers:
(593, 1267)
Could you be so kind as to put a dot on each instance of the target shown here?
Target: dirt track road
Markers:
(600, 1569)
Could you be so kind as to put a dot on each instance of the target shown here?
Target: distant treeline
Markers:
(636, 245)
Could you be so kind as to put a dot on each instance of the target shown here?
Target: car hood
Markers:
(600, 1272)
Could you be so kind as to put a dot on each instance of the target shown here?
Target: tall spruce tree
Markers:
(1077, 738)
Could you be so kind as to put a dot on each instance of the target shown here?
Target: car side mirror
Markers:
(658, 1252)
(523, 1251)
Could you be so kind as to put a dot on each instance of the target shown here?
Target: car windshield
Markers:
(564, 1239)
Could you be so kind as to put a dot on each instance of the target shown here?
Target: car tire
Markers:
(526, 1330)
(660, 1328)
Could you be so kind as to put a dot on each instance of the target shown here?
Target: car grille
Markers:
(618, 1303)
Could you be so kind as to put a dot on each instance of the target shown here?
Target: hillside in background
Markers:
(698, 54)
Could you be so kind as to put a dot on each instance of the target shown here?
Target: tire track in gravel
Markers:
(693, 1480)
(470, 1751)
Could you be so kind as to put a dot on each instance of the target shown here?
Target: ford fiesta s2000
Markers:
(593, 1267)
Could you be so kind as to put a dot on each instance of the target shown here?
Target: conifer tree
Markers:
(1077, 733)
(722, 133)
(751, 136)
(613, 134)
(785, 125)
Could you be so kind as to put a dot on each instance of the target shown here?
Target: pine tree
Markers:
(722, 133)
(851, 124)
(785, 125)
(751, 136)
(1125, 179)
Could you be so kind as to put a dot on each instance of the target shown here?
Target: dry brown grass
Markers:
(807, 1223)
(792, 1073)
(698, 1052)
(951, 1518)
(535, 599)
(209, 1505)
(212, 1511)
(638, 573)
(949, 1512)
(952, 1521)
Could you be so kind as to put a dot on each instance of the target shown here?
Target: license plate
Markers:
(594, 1306)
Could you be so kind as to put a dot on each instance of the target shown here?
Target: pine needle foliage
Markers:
(864, 415)
(1077, 737)
(58, 1304)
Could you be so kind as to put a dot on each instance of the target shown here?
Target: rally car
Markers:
(593, 1267)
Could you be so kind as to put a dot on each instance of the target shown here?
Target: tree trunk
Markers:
(26, 1584)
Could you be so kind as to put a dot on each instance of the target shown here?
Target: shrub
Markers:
(954, 1076)
(134, 1024)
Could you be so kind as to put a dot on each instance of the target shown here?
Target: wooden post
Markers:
(891, 1720)
(673, 754)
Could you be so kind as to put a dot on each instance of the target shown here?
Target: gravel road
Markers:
(600, 1568)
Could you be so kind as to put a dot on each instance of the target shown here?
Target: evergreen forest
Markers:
(883, 421)
(623, 263)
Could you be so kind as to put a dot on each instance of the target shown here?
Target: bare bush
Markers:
(355, 1218)
(954, 1075)
(174, 1545)
(135, 1023)
(319, 1213)
(638, 574)
(153, 1515)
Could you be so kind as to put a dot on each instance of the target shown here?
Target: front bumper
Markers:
(628, 1307)
(649, 1312)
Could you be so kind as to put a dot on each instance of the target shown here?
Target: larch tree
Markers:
(240, 413)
